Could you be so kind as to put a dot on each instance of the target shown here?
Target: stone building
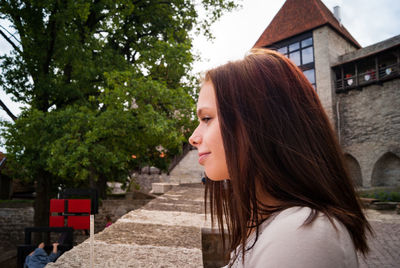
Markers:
(358, 87)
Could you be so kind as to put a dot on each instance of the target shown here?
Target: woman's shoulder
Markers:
(294, 218)
(291, 222)
(285, 239)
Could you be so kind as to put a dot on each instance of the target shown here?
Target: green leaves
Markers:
(103, 81)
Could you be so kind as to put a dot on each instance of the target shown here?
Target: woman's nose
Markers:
(195, 139)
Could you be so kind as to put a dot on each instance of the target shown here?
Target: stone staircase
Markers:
(188, 170)
(166, 232)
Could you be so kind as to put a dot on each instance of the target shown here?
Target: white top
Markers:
(284, 243)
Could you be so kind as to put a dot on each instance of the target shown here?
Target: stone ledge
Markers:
(162, 187)
(170, 218)
(152, 234)
(148, 237)
(384, 205)
(122, 255)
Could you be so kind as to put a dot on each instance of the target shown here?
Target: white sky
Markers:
(235, 33)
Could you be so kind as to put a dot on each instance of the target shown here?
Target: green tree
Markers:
(102, 80)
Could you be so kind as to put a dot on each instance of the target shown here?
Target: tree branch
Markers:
(16, 39)
(94, 17)
(5, 108)
(52, 32)
(133, 58)
(10, 42)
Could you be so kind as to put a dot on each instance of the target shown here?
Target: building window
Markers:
(295, 57)
(307, 55)
(306, 42)
(310, 74)
(300, 50)
(282, 50)
(294, 46)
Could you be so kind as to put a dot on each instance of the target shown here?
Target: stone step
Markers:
(150, 237)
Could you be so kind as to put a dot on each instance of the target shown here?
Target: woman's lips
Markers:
(202, 157)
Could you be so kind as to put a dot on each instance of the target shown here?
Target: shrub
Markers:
(382, 195)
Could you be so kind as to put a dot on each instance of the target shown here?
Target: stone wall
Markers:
(369, 132)
(17, 216)
(188, 170)
(13, 221)
(328, 45)
(367, 121)
(355, 169)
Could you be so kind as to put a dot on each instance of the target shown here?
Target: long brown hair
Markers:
(277, 138)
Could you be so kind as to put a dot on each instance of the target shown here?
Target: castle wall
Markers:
(369, 130)
(328, 46)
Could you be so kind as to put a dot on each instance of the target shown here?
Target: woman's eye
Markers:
(206, 119)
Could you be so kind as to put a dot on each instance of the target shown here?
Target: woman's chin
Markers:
(216, 177)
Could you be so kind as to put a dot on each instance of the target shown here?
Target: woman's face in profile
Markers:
(207, 136)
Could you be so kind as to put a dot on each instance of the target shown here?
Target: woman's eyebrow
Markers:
(203, 109)
(200, 111)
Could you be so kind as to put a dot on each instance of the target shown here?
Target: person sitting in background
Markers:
(109, 221)
(39, 258)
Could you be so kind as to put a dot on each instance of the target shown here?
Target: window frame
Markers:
(298, 39)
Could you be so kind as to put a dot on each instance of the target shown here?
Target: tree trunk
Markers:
(42, 206)
(100, 185)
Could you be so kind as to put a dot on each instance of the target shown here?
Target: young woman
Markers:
(277, 180)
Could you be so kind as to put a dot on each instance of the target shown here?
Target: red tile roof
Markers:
(298, 16)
